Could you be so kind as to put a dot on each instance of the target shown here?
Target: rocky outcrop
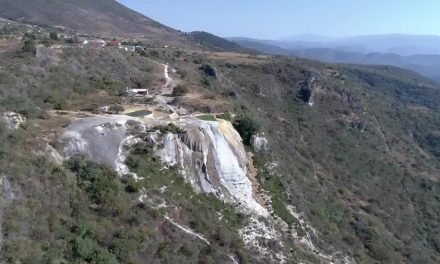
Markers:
(6, 190)
(46, 150)
(318, 85)
(212, 158)
(210, 155)
(259, 143)
(101, 139)
(353, 121)
(13, 120)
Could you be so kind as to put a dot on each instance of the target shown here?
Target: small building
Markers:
(137, 92)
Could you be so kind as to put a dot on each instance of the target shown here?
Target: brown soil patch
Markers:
(7, 45)
(259, 194)
(198, 102)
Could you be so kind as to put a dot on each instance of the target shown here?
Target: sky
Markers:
(278, 19)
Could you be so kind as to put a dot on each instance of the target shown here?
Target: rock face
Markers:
(13, 120)
(259, 143)
(210, 155)
(101, 139)
(6, 190)
(212, 158)
(46, 150)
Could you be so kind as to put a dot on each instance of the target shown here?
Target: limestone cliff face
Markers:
(210, 155)
(12, 120)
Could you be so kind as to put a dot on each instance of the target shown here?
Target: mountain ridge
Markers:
(427, 65)
(105, 17)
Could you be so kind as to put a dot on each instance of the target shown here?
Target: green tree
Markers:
(180, 90)
(29, 36)
(116, 108)
(29, 46)
(54, 36)
(247, 127)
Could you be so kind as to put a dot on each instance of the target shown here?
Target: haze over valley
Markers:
(420, 53)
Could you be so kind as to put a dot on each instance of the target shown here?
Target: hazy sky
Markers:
(274, 19)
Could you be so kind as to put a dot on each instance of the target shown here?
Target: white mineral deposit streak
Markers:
(231, 169)
(210, 154)
(187, 230)
(100, 138)
(124, 148)
(259, 142)
(215, 145)
(169, 153)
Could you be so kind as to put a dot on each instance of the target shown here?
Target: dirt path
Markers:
(170, 83)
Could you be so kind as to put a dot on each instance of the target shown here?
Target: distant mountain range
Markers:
(420, 53)
(400, 44)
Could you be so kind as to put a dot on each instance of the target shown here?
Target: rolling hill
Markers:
(425, 64)
(105, 17)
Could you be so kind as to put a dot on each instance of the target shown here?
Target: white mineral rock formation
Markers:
(259, 143)
(13, 120)
(50, 152)
(6, 190)
(102, 139)
(209, 154)
(212, 158)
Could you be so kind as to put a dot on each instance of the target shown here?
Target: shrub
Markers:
(206, 82)
(115, 108)
(208, 70)
(29, 36)
(170, 128)
(58, 102)
(180, 90)
(53, 36)
(46, 42)
(29, 46)
(154, 54)
(247, 127)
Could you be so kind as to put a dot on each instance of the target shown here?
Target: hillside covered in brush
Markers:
(105, 17)
(221, 157)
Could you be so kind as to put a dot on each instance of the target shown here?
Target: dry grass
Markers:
(205, 103)
(238, 58)
(11, 44)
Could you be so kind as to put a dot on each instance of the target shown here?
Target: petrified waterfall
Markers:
(209, 154)
(212, 158)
